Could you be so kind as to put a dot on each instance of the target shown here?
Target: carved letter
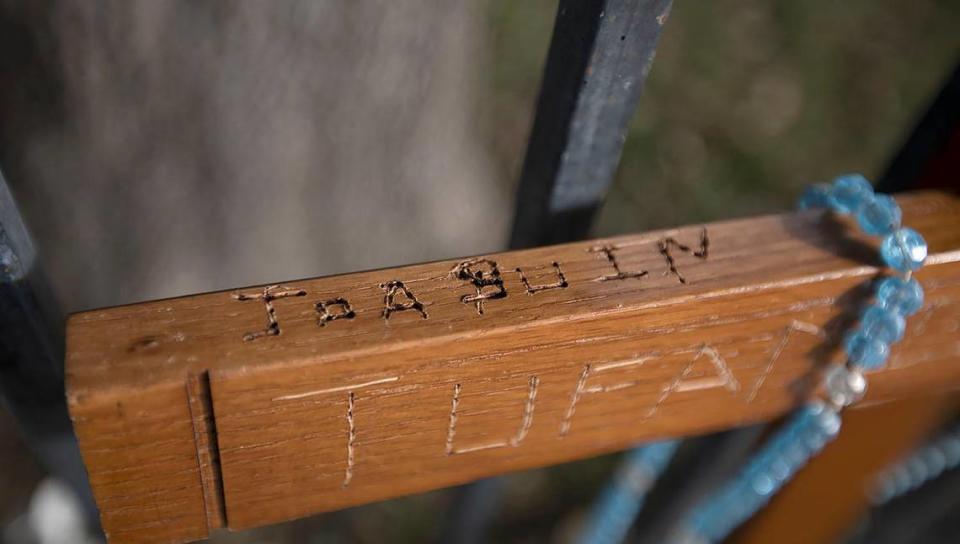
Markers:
(323, 308)
(392, 290)
(799, 326)
(517, 438)
(480, 273)
(581, 388)
(269, 294)
(665, 244)
(561, 282)
(351, 421)
(724, 378)
(608, 251)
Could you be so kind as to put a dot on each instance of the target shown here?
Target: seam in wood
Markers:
(200, 404)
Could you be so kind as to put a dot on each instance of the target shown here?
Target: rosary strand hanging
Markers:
(867, 346)
(621, 500)
(940, 455)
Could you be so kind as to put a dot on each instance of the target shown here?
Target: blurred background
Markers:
(164, 148)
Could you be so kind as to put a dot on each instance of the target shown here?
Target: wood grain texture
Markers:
(332, 392)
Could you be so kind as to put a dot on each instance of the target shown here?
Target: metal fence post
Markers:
(31, 355)
(599, 57)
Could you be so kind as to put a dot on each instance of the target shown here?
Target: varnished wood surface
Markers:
(192, 414)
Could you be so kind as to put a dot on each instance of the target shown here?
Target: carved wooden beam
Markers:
(262, 404)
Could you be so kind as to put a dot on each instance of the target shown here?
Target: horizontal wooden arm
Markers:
(262, 404)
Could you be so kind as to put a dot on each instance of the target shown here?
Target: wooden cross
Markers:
(378, 384)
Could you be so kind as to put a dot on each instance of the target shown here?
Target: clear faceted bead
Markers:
(865, 351)
(902, 296)
(882, 324)
(849, 192)
(879, 215)
(844, 386)
(904, 250)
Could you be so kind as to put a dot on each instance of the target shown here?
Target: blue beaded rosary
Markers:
(622, 499)
(867, 346)
(816, 423)
(926, 463)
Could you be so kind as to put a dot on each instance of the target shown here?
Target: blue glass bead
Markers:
(904, 250)
(780, 470)
(879, 215)
(882, 324)
(763, 484)
(935, 460)
(795, 455)
(805, 433)
(815, 196)
(828, 422)
(864, 350)
(951, 449)
(901, 482)
(849, 192)
(884, 492)
(899, 295)
(815, 441)
(918, 471)
(623, 498)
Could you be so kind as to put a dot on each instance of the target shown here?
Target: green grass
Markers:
(746, 103)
